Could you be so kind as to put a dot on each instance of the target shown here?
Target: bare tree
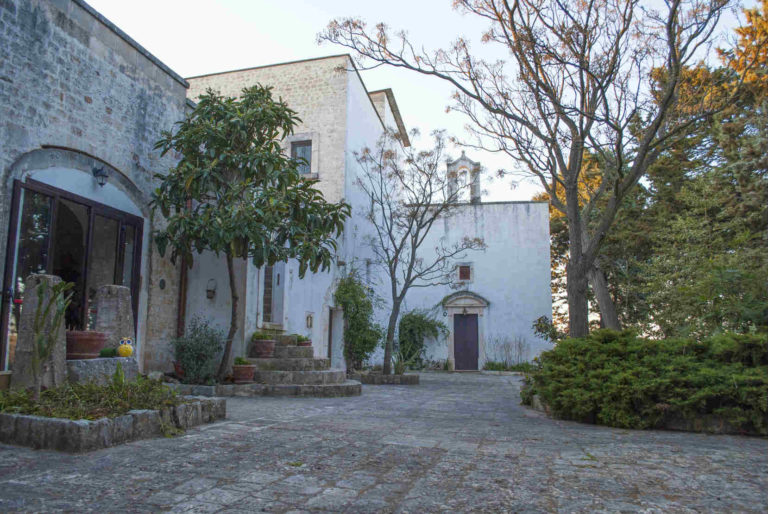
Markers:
(579, 82)
(409, 191)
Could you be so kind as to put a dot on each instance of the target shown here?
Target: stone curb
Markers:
(347, 388)
(379, 379)
(81, 435)
(503, 373)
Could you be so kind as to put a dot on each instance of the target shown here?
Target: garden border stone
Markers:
(81, 435)
(381, 379)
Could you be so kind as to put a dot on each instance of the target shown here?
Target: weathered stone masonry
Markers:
(71, 80)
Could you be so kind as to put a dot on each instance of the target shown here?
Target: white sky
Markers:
(195, 37)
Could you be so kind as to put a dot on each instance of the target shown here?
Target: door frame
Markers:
(94, 208)
(466, 302)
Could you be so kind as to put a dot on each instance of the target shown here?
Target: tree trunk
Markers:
(604, 301)
(576, 272)
(390, 342)
(224, 366)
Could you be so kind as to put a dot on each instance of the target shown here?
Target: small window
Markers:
(302, 152)
(465, 272)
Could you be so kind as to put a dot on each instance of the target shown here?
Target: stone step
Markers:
(285, 364)
(293, 352)
(328, 376)
(289, 340)
(347, 388)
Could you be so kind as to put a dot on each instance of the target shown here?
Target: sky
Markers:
(195, 37)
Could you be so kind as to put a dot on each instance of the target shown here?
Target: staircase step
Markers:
(287, 340)
(294, 352)
(346, 388)
(328, 376)
(287, 364)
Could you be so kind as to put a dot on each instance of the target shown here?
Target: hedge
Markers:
(622, 380)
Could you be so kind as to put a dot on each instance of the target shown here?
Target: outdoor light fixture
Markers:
(210, 289)
(100, 174)
(309, 320)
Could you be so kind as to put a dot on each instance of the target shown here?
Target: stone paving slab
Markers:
(456, 443)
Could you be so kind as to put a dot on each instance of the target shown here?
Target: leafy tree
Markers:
(578, 85)
(414, 329)
(408, 194)
(234, 192)
(361, 333)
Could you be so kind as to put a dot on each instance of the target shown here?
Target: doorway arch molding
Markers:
(68, 158)
(466, 303)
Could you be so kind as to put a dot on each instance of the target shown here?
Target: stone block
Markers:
(53, 370)
(114, 314)
(187, 415)
(100, 371)
(146, 423)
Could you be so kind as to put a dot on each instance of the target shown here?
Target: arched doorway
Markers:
(53, 230)
(466, 310)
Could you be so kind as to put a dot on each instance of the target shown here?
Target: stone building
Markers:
(81, 107)
(82, 104)
(339, 116)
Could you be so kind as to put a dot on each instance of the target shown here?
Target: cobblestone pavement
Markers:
(457, 442)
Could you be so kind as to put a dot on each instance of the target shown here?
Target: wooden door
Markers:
(465, 341)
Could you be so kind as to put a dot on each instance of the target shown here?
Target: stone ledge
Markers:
(100, 370)
(83, 435)
(347, 388)
(379, 379)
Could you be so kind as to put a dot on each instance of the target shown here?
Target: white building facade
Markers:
(487, 314)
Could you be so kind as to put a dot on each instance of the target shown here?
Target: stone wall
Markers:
(317, 91)
(70, 79)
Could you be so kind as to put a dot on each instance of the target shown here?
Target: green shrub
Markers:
(240, 361)
(90, 401)
(361, 334)
(198, 352)
(301, 339)
(108, 352)
(619, 379)
(414, 328)
(524, 367)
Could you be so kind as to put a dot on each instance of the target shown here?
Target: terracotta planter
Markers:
(243, 373)
(304, 343)
(5, 380)
(85, 344)
(264, 348)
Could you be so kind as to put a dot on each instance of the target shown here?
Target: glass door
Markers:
(28, 251)
(81, 241)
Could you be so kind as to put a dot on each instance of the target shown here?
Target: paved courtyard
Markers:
(457, 442)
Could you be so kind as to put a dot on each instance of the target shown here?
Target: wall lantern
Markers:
(210, 289)
(445, 313)
(100, 174)
(309, 320)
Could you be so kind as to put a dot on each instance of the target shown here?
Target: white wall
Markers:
(513, 274)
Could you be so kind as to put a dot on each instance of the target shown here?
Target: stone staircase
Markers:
(294, 371)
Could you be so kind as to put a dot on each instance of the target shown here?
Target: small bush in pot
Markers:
(263, 345)
(198, 351)
(243, 371)
(303, 340)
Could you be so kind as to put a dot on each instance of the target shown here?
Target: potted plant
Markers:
(303, 341)
(85, 344)
(263, 345)
(243, 371)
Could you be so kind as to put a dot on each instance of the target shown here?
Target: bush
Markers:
(414, 329)
(198, 352)
(361, 334)
(91, 401)
(621, 380)
(108, 352)
(524, 367)
(240, 361)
